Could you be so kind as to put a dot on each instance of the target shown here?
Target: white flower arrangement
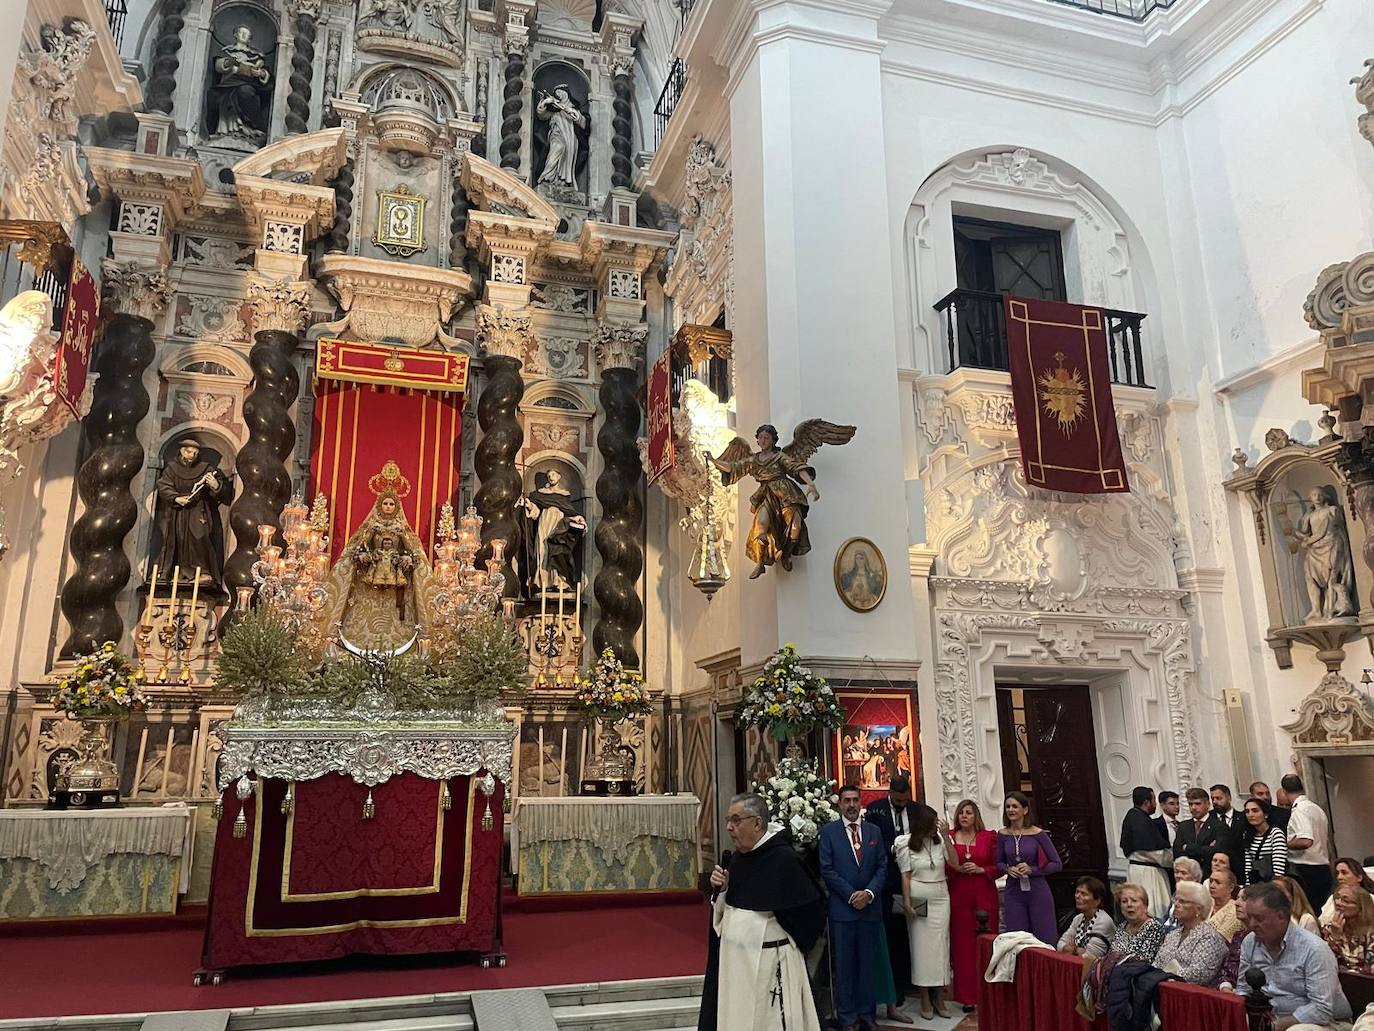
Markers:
(800, 799)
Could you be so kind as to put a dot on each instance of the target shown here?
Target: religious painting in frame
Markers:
(879, 740)
(860, 574)
(400, 222)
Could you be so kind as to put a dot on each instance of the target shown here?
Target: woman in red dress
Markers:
(972, 886)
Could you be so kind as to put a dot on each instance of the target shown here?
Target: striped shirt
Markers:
(1272, 847)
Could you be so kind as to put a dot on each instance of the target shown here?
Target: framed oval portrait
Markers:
(860, 574)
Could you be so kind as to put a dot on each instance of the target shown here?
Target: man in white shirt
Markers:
(1308, 831)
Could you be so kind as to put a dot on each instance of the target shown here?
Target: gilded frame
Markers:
(856, 600)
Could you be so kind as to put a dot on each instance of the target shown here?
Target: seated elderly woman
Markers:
(1091, 930)
(1348, 871)
(1186, 871)
(1226, 918)
(1194, 950)
(1350, 932)
(1139, 934)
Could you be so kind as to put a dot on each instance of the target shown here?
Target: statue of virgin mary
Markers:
(380, 587)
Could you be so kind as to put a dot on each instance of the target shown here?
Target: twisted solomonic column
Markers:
(336, 240)
(162, 80)
(114, 456)
(280, 312)
(619, 350)
(622, 106)
(302, 67)
(513, 107)
(503, 335)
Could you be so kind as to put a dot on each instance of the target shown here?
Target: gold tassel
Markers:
(369, 808)
(240, 824)
(289, 802)
(217, 810)
(486, 817)
(446, 800)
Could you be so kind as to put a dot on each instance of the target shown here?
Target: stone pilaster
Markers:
(114, 455)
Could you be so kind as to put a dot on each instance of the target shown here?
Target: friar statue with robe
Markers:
(767, 915)
(551, 538)
(188, 495)
(241, 79)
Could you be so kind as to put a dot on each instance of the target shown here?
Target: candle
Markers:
(543, 606)
(266, 531)
(577, 612)
(195, 593)
(172, 604)
(245, 598)
(152, 596)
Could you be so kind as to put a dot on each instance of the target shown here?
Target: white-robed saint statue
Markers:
(564, 118)
(765, 920)
(380, 587)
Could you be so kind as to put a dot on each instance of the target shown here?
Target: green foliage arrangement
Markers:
(488, 660)
(260, 655)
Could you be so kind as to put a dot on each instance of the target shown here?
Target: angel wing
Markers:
(735, 451)
(808, 437)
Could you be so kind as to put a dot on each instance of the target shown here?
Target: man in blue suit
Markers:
(854, 865)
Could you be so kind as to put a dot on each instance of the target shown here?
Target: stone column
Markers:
(302, 67)
(516, 40)
(807, 202)
(280, 312)
(162, 82)
(502, 334)
(619, 350)
(618, 33)
(114, 455)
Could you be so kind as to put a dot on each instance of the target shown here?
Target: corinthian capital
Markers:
(279, 304)
(619, 345)
(134, 289)
(503, 332)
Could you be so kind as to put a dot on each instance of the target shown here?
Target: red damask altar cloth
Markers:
(320, 881)
(1042, 998)
(1061, 387)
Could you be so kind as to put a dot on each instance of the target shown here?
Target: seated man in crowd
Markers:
(1299, 968)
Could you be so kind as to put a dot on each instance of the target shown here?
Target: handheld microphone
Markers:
(725, 858)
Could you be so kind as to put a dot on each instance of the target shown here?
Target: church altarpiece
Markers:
(282, 143)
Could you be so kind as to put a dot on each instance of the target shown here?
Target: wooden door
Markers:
(1048, 746)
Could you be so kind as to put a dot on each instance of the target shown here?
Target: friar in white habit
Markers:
(766, 919)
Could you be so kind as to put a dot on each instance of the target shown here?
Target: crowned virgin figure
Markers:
(380, 587)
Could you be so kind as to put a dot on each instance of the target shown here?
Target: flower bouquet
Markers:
(788, 700)
(611, 693)
(104, 687)
(800, 799)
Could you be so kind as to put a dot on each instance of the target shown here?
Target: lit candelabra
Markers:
(291, 578)
(463, 591)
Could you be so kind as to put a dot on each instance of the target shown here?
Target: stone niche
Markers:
(1306, 546)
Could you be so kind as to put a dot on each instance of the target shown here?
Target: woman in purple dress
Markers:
(1027, 856)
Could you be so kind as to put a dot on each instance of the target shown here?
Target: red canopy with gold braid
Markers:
(376, 403)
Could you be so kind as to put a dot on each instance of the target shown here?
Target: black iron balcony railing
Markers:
(976, 335)
(115, 13)
(668, 99)
(1136, 10)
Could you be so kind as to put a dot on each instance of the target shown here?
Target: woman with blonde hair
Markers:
(1139, 934)
(1304, 915)
(972, 887)
(1350, 932)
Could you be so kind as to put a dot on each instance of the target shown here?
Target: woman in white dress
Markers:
(922, 857)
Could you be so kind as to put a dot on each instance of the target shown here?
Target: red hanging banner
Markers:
(660, 417)
(1062, 391)
(375, 404)
(72, 363)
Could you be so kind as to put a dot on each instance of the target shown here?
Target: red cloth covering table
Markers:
(317, 872)
(1042, 998)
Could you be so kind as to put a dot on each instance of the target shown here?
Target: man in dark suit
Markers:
(854, 867)
(1203, 835)
(892, 815)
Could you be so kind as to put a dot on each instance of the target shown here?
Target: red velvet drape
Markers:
(359, 427)
(324, 882)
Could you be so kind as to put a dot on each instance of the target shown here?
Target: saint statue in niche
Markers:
(394, 15)
(564, 118)
(551, 536)
(1328, 572)
(380, 586)
(779, 503)
(241, 79)
(188, 495)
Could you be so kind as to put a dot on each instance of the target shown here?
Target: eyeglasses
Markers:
(733, 821)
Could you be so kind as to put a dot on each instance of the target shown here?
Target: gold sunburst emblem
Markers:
(1064, 394)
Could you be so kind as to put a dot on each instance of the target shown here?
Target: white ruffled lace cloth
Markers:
(611, 824)
(67, 843)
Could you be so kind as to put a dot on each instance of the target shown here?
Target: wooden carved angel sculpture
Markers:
(785, 482)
